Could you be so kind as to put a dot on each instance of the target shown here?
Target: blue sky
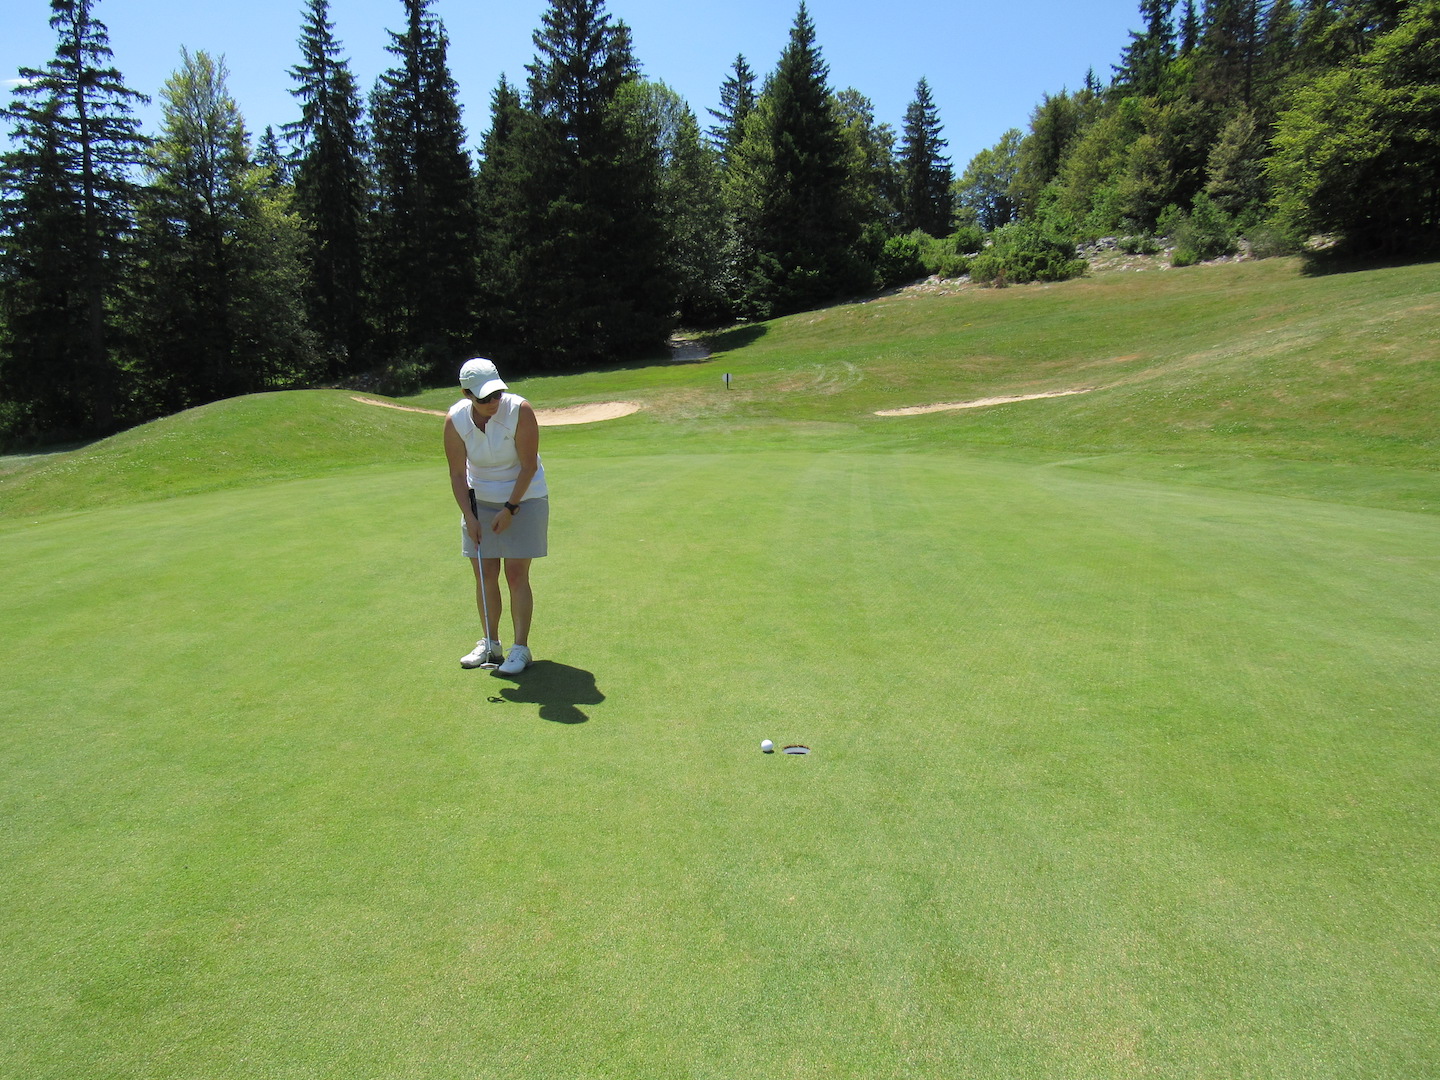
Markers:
(987, 63)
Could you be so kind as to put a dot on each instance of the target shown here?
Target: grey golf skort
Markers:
(526, 538)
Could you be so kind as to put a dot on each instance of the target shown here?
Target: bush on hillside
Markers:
(1139, 245)
(968, 240)
(1026, 252)
(1206, 232)
(917, 255)
(1271, 241)
(900, 260)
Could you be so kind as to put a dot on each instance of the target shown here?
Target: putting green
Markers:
(1110, 777)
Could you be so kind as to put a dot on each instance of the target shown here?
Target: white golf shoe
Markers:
(518, 660)
(485, 651)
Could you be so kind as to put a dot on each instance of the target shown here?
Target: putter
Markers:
(488, 665)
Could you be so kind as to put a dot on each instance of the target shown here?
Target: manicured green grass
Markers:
(1113, 775)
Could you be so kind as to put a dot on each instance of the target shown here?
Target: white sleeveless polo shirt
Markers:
(491, 460)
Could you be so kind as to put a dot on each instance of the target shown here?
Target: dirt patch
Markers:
(917, 410)
(572, 414)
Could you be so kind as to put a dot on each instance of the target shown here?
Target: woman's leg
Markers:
(487, 578)
(522, 599)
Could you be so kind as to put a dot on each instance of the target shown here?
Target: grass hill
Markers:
(1121, 708)
(1253, 376)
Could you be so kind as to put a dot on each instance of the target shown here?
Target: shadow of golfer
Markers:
(557, 688)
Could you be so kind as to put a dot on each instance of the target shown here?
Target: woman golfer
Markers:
(492, 445)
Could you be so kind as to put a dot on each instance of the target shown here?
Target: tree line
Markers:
(1272, 119)
(143, 274)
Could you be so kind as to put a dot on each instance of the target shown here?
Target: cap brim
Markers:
(490, 387)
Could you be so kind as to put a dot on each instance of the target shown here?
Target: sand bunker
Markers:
(392, 405)
(586, 414)
(573, 414)
(917, 410)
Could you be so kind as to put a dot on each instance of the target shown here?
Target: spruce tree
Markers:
(1055, 124)
(874, 186)
(789, 188)
(737, 101)
(500, 210)
(926, 175)
(66, 209)
(271, 156)
(331, 190)
(593, 282)
(1189, 29)
(423, 251)
(1230, 52)
(1142, 69)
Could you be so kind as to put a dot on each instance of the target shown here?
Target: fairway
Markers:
(1113, 773)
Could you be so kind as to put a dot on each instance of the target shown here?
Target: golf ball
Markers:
(766, 745)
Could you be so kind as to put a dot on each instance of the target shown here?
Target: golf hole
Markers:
(796, 749)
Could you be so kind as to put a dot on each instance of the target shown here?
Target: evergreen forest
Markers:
(370, 242)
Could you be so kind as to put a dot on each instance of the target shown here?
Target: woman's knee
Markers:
(517, 572)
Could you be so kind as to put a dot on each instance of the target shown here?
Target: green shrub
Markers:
(1269, 241)
(406, 374)
(1139, 245)
(1026, 252)
(1169, 220)
(901, 259)
(950, 265)
(967, 240)
(1206, 232)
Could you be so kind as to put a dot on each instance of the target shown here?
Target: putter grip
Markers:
(474, 508)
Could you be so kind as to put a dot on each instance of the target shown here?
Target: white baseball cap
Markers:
(480, 377)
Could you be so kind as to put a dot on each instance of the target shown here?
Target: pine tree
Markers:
(737, 101)
(216, 307)
(500, 209)
(1055, 124)
(593, 282)
(269, 155)
(788, 186)
(1142, 68)
(331, 190)
(65, 214)
(1231, 51)
(423, 251)
(1189, 29)
(925, 173)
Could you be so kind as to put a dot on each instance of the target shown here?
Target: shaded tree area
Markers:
(371, 240)
(216, 293)
(66, 215)
(591, 269)
(423, 224)
(332, 187)
(789, 189)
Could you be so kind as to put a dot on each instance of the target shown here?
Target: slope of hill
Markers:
(1250, 375)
